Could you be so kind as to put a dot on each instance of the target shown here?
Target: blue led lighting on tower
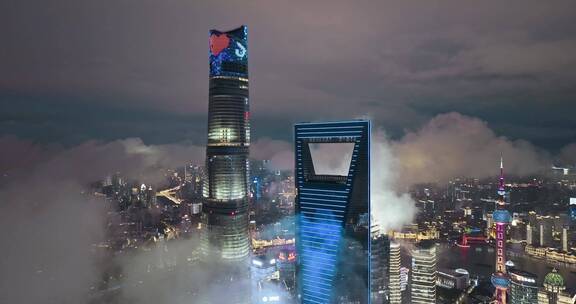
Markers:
(225, 210)
(332, 208)
(224, 234)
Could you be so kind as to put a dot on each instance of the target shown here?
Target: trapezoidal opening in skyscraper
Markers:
(331, 158)
(333, 211)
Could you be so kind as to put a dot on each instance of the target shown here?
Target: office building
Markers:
(523, 287)
(286, 264)
(546, 228)
(394, 277)
(333, 212)
(565, 239)
(424, 274)
(572, 209)
(453, 279)
(225, 208)
(379, 267)
(529, 234)
(404, 278)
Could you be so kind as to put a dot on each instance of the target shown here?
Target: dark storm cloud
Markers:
(402, 62)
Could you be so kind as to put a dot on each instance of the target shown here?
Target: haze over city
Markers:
(124, 177)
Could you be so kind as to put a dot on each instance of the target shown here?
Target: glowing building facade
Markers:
(332, 209)
(500, 278)
(523, 287)
(394, 274)
(225, 209)
(424, 273)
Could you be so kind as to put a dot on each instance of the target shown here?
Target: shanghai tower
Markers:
(225, 210)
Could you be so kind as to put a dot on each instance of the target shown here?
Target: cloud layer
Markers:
(453, 145)
(391, 209)
(51, 223)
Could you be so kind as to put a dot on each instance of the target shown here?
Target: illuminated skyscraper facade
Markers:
(394, 274)
(332, 209)
(500, 278)
(225, 210)
(523, 287)
(424, 273)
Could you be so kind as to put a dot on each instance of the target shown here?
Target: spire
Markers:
(501, 173)
(501, 186)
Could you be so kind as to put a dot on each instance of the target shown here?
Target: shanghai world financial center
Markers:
(333, 212)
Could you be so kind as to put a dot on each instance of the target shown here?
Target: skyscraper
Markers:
(424, 273)
(523, 287)
(529, 234)
(565, 238)
(545, 231)
(500, 278)
(225, 208)
(395, 262)
(333, 211)
(379, 266)
(572, 209)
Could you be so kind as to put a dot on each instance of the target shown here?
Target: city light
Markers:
(347, 153)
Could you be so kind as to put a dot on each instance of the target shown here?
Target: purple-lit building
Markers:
(500, 278)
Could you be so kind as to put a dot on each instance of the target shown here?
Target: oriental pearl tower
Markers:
(500, 278)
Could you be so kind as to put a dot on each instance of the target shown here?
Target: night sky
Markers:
(90, 88)
(78, 70)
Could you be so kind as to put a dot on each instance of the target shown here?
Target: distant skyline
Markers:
(113, 189)
(72, 71)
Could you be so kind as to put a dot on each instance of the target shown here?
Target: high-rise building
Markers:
(424, 273)
(379, 267)
(545, 231)
(502, 217)
(286, 265)
(225, 208)
(404, 278)
(529, 234)
(572, 209)
(489, 224)
(523, 287)
(333, 211)
(395, 263)
(457, 279)
(565, 239)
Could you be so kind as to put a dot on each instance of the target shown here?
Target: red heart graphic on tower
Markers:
(218, 43)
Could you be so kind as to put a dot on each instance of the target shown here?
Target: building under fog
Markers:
(333, 211)
(225, 209)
